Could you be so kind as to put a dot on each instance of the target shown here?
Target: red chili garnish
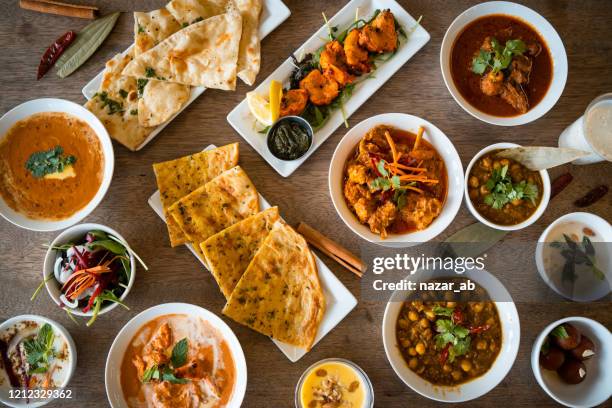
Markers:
(592, 196)
(479, 329)
(375, 166)
(53, 53)
(457, 316)
(444, 354)
(559, 184)
(93, 297)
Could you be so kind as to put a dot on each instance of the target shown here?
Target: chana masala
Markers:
(502, 190)
(452, 341)
(395, 182)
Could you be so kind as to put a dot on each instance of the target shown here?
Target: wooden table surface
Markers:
(176, 276)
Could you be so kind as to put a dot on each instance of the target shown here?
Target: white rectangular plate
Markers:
(241, 119)
(338, 300)
(273, 14)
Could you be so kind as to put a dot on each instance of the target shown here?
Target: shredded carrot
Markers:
(418, 190)
(392, 145)
(419, 135)
(401, 166)
(420, 163)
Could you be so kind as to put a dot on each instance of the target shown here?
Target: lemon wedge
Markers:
(276, 93)
(260, 108)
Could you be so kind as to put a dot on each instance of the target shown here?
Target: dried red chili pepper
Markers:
(444, 354)
(559, 184)
(479, 329)
(457, 316)
(592, 196)
(53, 53)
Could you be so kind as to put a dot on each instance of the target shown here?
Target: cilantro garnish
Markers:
(498, 59)
(113, 105)
(39, 350)
(386, 182)
(502, 190)
(454, 336)
(165, 372)
(48, 162)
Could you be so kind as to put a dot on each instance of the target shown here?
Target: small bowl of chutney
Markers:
(289, 138)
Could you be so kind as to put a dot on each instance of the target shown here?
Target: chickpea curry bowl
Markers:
(503, 193)
(395, 182)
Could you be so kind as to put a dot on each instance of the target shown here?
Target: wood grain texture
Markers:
(175, 275)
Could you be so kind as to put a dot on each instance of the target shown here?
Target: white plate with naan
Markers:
(244, 122)
(273, 14)
(339, 301)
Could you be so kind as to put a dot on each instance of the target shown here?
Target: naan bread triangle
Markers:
(188, 12)
(179, 177)
(279, 294)
(218, 204)
(160, 100)
(249, 58)
(229, 252)
(116, 104)
(203, 54)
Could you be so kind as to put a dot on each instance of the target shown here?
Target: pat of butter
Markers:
(67, 173)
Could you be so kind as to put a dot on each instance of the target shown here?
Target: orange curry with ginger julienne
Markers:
(395, 182)
(513, 90)
(50, 197)
(206, 378)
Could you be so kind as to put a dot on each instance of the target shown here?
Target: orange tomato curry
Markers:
(206, 378)
(50, 198)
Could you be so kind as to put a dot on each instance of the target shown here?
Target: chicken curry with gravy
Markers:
(449, 338)
(395, 182)
(177, 361)
(501, 65)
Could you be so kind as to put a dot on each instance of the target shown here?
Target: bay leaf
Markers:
(88, 40)
(541, 158)
(471, 241)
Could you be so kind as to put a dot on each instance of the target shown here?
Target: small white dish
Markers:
(538, 23)
(597, 386)
(69, 368)
(438, 140)
(273, 14)
(112, 371)
(339, 301)
(59, 105)
(533, 218)
(586, 288)
(511, 336)
(73, 234)
(244, 123)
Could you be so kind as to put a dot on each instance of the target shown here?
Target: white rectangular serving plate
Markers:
(241, 119)
(273, 14)
(339, 301)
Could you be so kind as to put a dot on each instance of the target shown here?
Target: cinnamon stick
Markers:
(332, 249)
(62, 9)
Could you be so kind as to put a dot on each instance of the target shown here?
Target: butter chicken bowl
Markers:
(56, 164)
(448, 346)
(396, 180)
(502, 193)
(503, 63)
(175, 354)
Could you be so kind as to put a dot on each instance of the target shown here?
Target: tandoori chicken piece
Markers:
(333, 63)
(322, 89)
(492, 83)
(293, 102)
(379, 35)
(356, 56)
(382, 218)
(156, 351)
(515, 96)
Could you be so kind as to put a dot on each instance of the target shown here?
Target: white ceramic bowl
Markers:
(59, 105)
(546, 31)
(537, 213)
(112, 373)
(597, 386)
(511, 336)
(433, 135)
(57, 328)
(603, 230)
(72, 234)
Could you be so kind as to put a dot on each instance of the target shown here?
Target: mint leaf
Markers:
(169, 376)
(179, 353)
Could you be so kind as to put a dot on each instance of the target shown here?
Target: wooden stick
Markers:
(332, 249)
(62, 9)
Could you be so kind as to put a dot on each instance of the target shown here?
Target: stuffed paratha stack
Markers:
(279, 294)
